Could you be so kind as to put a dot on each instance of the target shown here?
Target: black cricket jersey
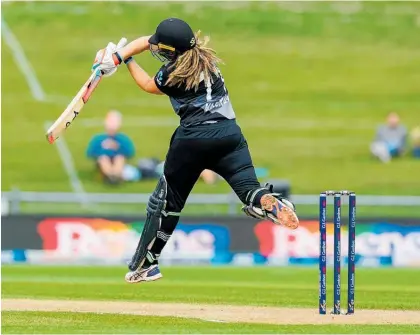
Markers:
(209, 104)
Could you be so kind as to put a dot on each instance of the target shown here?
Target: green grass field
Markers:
(265, 287)
(83, 323)
(311, 79)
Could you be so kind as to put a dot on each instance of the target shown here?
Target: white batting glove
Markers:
(105, 60)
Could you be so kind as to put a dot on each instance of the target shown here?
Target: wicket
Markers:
(337, 251)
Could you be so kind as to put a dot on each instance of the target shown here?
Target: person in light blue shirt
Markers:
(390, 140)
(111, 149)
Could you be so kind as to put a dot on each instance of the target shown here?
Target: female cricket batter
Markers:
(208, 138)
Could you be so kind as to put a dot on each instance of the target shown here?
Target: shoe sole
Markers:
(285, 216)
(154, 278)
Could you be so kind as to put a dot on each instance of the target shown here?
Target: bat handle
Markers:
(92, 87)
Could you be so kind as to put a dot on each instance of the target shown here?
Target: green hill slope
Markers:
(309, 83)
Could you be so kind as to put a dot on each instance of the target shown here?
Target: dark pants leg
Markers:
(182, 169)
(236, 167)
(228, 156)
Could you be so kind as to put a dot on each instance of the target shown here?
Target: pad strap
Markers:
(252, 194)
(166, 214)
(155, 206)
(254, 212)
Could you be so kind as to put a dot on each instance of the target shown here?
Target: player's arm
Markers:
(135, 47)
(142, 79)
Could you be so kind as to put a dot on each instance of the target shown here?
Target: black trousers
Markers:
(221, 148)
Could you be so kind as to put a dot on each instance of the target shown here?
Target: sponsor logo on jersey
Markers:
(216, 104)
(159, 77)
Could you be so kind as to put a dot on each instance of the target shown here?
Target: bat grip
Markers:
(93, 84)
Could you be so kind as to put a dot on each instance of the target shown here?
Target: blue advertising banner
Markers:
(377, 242)
(205, 240)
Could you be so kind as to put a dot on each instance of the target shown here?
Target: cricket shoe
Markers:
(149, 274)
(280, 211)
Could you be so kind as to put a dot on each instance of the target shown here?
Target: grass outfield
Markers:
(311, 79)
(88, 323)
(393, 289)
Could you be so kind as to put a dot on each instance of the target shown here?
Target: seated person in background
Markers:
(150, 168)
(415, 140)
(111, 149)
(390, 140)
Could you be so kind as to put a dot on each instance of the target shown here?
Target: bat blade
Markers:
(74, 107)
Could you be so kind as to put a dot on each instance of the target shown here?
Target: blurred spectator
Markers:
(111, 149)
(390, 140)
(415, 140)
(150, 168)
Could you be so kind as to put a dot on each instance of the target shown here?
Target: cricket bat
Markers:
(75, 106)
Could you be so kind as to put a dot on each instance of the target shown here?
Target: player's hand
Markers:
(106, 61)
